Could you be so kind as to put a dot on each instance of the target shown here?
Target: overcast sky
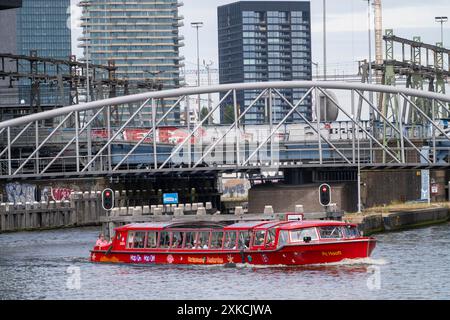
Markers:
(347, 28)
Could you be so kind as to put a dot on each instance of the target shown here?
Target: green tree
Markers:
(228, 114)
(203, 113)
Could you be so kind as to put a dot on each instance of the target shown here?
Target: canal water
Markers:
(412, 264)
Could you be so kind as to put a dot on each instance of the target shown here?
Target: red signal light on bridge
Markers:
(325, 195)
(108, 199)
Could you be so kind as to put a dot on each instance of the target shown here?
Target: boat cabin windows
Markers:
(164, 240)
(177, 240)
(190, 239)
(230, 240)
(351, 232)
(203, 240)
(152, 239)
(259, 238)
(244, 239)
(283, 237)
(301, 234)
(330, 232)
(136, 239)
(270, 238)
(216, 240)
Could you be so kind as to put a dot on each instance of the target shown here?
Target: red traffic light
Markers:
(108, 199)
(325, 195)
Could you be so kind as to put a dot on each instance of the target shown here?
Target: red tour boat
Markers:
(254, 242)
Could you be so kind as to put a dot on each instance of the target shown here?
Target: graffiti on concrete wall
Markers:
(17, 192)
(60, 194)
(55, 194)
(46, 194)
(235, 189)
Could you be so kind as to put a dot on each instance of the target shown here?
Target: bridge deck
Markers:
(198, 171)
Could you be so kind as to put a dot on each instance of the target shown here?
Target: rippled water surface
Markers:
(411, 264)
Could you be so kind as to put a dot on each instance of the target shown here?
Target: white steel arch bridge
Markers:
(411, 133)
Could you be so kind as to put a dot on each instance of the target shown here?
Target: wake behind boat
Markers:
(254, 243)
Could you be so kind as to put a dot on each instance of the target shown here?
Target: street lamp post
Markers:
(86, 6)
(316, 64)
(324, 40)
(88, 114)
(370, 47)
(441, 20)
(208, 70)
(359, 173)
(198, 25)
(369, 22)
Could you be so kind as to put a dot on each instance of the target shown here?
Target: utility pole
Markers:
(208, 70)
(316, 64)
(88, 91)
(198, 25)
(378, 37)
(359, 173)
(370, 48)
(324, 40)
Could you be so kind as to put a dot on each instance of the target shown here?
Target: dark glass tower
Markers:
(43, 26)
(265, 41)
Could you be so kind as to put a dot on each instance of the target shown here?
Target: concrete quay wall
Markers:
(85, 209)
(396, 221)
(82, 209)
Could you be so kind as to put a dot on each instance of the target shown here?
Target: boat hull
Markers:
(312, 253)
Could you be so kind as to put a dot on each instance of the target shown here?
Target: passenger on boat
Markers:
(197, 244)
(101, 241)
(230, 244)
(242, 245)
(270, 239)
(177, 243)
(260, 240)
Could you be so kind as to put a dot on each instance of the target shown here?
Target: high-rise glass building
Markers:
(40, 26)
(141, 36)
(43, 25)
(265, 41)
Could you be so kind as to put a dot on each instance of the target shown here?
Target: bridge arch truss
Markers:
(412, 132)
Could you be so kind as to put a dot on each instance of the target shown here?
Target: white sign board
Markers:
(425, 175)
(434, 189)
(295, 217)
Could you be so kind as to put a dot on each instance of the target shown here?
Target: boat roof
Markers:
(171, 224)
(272, 224)
(246, 225)
(149, 225)
(312, 223)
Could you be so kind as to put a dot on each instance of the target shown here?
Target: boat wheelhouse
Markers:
(252, 242)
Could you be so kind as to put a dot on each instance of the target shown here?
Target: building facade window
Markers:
(141, 36)
(271, 42)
